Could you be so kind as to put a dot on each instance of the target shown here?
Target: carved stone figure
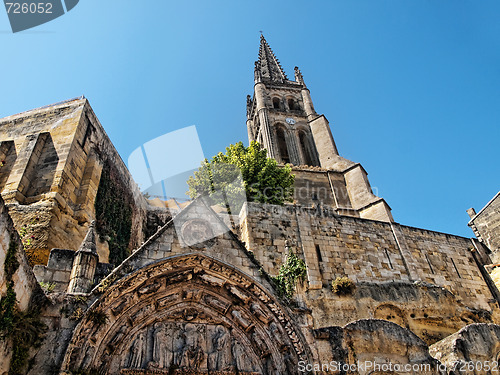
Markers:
(194, 354)
(257, 311)
(138, 351)
(259, 342)
(178, 344)
(240, 319)
(244, 358)
(162, 348)
(219, 349)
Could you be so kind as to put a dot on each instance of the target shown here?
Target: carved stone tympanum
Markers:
(188, 315)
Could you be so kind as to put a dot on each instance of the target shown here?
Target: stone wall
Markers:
(198, 219)
(435, 279)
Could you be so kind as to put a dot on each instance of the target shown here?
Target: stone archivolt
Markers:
(187, 312)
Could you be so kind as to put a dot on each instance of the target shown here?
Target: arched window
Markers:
(276, 103)
(306, 149)
(291, 104)
(283, 149)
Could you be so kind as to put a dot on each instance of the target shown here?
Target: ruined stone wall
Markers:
(35, 188)
(431, 312)
(52, 164)
(435, 277)
(371, 346)
(24, 283)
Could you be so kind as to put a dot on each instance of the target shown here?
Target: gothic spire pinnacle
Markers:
(89, 244)
(268, 66)
(298, 76)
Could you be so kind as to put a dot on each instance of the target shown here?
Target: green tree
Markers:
(242, 173)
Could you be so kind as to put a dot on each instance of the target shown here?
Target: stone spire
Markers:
(84, 264)
(89, 244)
(268, 66)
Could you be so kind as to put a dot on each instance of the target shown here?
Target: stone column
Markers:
(293, 150)
(263, 114)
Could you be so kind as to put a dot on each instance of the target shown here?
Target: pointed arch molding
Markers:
(189, 312)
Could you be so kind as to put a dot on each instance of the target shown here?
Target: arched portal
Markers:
(190, 313)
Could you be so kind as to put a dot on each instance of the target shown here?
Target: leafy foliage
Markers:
(77, 314)
(292, 270)
(27, 332)
(106, 283)
(24, 328)
(263, 180)
(11, 263)
(343, 286)
(7, 311)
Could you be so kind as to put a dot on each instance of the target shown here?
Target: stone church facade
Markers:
(196, 294)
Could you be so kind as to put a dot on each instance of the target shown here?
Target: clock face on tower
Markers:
(290, 121)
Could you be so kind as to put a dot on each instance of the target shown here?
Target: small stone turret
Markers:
(84, 264)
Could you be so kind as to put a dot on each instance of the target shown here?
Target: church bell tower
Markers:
(281, 116)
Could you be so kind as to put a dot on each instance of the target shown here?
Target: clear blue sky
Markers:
(410, 87)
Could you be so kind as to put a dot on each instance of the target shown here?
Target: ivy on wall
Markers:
(8, 302)
(292, 270)
(24, 328)
(113, 209)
